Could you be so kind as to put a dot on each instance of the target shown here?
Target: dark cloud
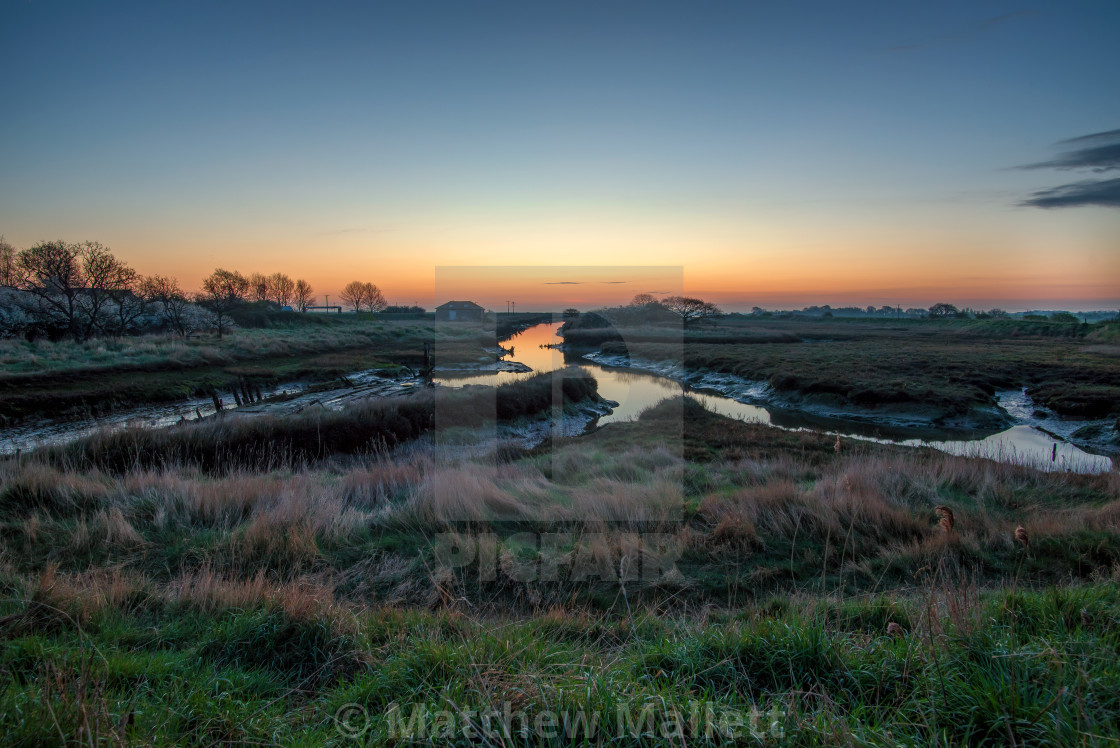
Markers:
(611, 283)
(1103, 192)
(563, 283)
(1099, 153)
(963, 33)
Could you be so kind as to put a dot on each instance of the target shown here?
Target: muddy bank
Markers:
(822, 409)
(527, 433)
(465, 370)
(1100, 435)
(281, 399)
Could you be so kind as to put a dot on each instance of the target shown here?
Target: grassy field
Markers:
(950, 368)
(44, 377)
(673, 581)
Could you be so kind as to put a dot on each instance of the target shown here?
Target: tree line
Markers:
(81, 290)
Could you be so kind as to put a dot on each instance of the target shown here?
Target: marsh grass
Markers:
(96, 376)
(1026, 677)
(945, 368)
(269, 443)
(171, 601)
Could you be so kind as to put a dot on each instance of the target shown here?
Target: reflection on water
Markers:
(636, 391)
(1025, 445)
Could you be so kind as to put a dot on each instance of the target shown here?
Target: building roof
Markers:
(459, 305)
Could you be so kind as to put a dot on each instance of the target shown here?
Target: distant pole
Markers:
(514, 306)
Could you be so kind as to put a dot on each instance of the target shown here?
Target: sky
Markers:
(776, 154)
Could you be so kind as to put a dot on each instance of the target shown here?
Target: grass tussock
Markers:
(945, 370)
(285, 442)
(644, 569)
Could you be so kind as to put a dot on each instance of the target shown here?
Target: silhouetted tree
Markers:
(258, 287)
(280, 289)
(375, 300)
(302, 295)
(943, 310)
(363, 296)
(643, 299)
(52, 273)
(172, 302)
(222, 292)
(130, 302)
(72, 283)
(354, 294)
(9, 268)
(689, 308)
(105, 277)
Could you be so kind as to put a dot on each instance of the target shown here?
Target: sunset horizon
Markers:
(629, 373)
(869, 157)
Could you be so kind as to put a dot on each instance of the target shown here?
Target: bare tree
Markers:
(643, 299)
(374, 299)
(222, 292)
(165, 291)
(303, 295)
(9, 266)
(689, 308)
(258, 287)
(73, 284)
(363, 296)
(130, 303)
(180, 314)
(354, 294)
(105, 277)
(943, 310)
(52, 273)
(280, 289)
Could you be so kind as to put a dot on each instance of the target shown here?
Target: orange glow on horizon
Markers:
(735, 265)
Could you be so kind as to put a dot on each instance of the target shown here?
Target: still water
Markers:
(632, 389)
(635, 391)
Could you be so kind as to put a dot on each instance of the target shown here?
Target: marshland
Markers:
(568, 374)
(411, 567)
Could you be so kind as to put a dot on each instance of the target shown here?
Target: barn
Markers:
(459, 311)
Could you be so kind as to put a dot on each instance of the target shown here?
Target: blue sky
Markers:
(751, 143)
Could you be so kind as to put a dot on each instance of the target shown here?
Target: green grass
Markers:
(45, 378)
(266, 443)
(1034, 672)
(158, 600)
(949, 368)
